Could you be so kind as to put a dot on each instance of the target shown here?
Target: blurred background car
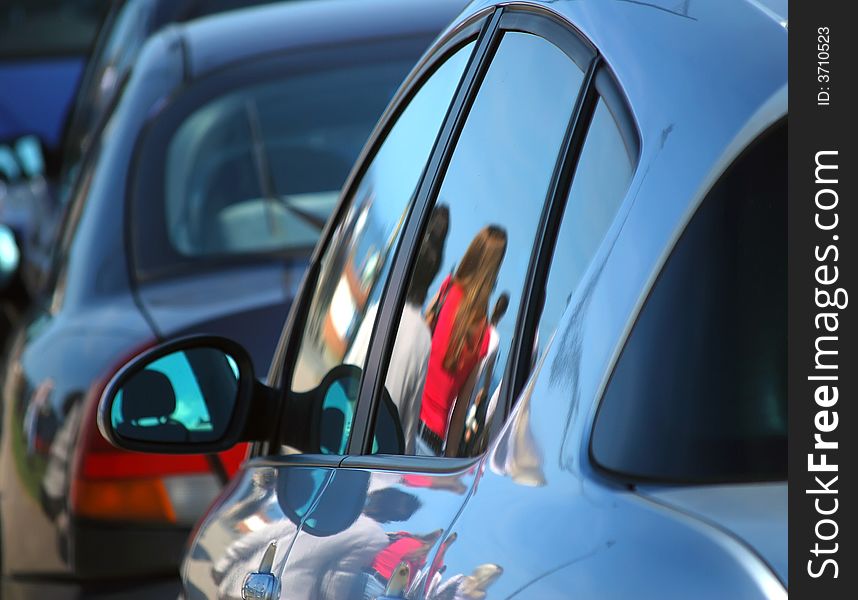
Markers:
(195, 211)
(44, 45)
(42, 167)
(631, 207)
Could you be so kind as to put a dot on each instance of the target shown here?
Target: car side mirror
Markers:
(192, 395)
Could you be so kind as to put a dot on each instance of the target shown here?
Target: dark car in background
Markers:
(33, 203)
(44, 45)
(196, 211)
(614, 175)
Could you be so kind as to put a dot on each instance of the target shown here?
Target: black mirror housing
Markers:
(193, 395)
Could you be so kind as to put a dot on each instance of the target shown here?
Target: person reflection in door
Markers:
(460, 339)
(404, 549)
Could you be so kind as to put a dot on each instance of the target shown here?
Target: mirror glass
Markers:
(185, 396)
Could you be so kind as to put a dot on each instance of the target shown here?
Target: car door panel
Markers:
(264, 504)
(367, 525)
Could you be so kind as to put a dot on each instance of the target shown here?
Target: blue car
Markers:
(540, 351)
(40, 169)
(196, 211)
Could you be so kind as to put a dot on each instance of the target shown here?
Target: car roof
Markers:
(211, 42)
(702, 80)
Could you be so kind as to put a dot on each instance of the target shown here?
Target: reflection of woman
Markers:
(404, 548)
(460, 339)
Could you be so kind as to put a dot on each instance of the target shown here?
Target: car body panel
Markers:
(754, 513)
(545, 529)
(254, 511)
(52, 366)
(219, 303)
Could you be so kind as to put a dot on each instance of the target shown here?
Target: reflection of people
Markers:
(408, 362)
(331, 567)
(55, 482)
(433, 574)
(404, 549)
(468, 587)
(321, 567)
(478, 414)
(459, 340)
(406, 373)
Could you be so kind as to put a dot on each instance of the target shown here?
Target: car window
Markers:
(467, 282)
(49, 27)
(356, 263)
(699, 393)
(260, 169)
(600, 183)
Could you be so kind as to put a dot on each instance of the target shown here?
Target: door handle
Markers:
(262, 584)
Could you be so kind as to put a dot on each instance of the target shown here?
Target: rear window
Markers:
(699, 392)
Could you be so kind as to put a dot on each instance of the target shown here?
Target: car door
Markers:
(273, 497)
(381, 526)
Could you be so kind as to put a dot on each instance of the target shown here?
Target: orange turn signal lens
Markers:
(123, 500)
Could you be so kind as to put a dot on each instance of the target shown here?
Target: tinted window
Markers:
(260, 169)
(699, 392)
(467, 284)
(356, 263)
(601, 180)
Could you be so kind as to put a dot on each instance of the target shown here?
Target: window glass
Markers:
(699, 392)
(356, 263)
(260, 169)
(460, 311)
(601, 180)
(49, 27)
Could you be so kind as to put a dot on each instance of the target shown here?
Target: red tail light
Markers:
(108, 483)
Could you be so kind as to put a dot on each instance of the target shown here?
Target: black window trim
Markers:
(393, 297)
